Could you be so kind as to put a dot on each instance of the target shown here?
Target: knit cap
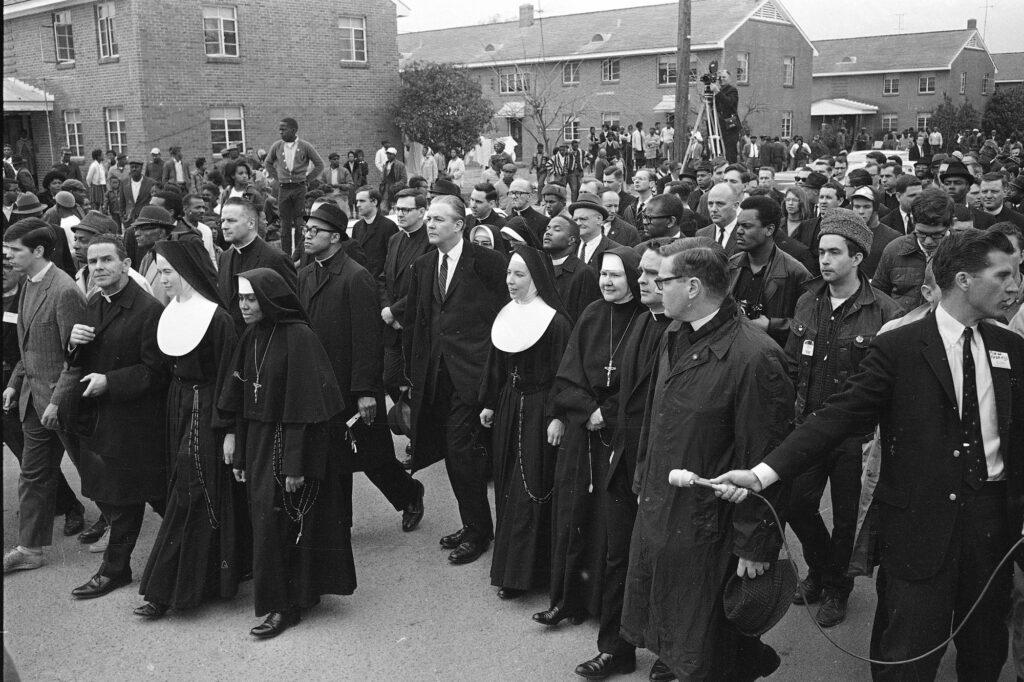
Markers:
(846, 223)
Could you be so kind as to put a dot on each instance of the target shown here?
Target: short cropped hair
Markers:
(994, 177)
(703, 258)
(932, 207)
(33, 233)
(420, 197)
(118, 243)
(615, 172)
(247, 206)
(172, 202)
(454, 203)
(487, 188)
(1010, 230)
(904, 182)
(372, 191)
(290, 122)
(966, 251)
(669, 204)
(768, 210)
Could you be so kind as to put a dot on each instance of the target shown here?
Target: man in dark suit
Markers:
(520, 195)
(900, 219)
(627, 202)
(483, 202)
(993, 201)
(246, 251)
(920, 149)
(590, 215)
(120, 415)
(455, 294)
(373, 230)
(136, 192)
(41, 385)
(723, 204)
(950, 496)
(575, 283)
(177, 171)
(404, 247)
(340, 298)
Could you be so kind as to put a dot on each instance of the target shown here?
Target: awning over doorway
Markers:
(667, 103)
(842, 107)
(512, 110)
(20, 96)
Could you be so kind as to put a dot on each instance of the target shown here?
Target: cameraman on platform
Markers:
(727, 102)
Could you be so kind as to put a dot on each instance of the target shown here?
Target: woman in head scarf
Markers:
(283, 393)
(585, 407)
(528, 336)
(482, 235)
(198, 550)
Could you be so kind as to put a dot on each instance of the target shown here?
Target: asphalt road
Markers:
(413, 617)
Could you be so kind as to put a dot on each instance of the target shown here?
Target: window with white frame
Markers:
(227, 127)
(743, 67)
(63, 38)
(924, 120)
(666, 69)
(220, 30)
(73, 132)
(788, 71)
(105, 30)
(117, 129)
(891, 84)
(787, 124)
(889, 122)
(926, 85)
(963, 82)
(610, 118)
(571, 128)
(610, 69)
(571, 73)
(353, 39)
(985, 80)
(513, 81)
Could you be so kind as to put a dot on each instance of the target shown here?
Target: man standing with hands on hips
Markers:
(947, 391)
(289, 164)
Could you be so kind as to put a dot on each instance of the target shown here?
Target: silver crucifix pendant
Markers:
(256, 391)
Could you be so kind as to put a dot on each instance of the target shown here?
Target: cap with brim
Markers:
(153, 217)
(554, 190)
(333, 155)
(72, 184)
(27, 204)
(923, 161)
(509, 168)
(955, 169)
(64, 199)
(154, 150)
(863, 193)
(330, 214)
(689, 174)
(96, 223)
(754, 605)
(392, 150)
(134, 162)
(442, 187)
(815, 180)
(400, 416)
(587, 200)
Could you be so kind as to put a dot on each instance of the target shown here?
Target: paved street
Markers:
(414, 617)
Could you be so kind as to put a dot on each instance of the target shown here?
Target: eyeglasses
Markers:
(934, 236)
(519, 194)
(401, 210)
(650, 218)
(660, 281)
(311, 231)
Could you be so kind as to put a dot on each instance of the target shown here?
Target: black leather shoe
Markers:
(151, 610)
(455, 539)
(99, 585)
(413, 514)
(94, 532)
(275, 623)
(808, 591)
(469, 551)
(660, 672)
(606, 665)
(510, 593)
(832, 611)
(74, 522)
(554, 616)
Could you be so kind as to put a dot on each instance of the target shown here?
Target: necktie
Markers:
(721, 236)
(910, 223)
(442, 278)
(970, 420)
(583, 252)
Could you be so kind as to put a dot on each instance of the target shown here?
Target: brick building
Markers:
(1009, 69)
(130, 75)
(895, 82)
(618, 66)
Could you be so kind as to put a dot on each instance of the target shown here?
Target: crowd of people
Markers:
(223, 344)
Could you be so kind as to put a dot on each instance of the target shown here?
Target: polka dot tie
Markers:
(970, 420)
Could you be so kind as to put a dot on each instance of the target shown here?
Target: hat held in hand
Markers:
(755, 605)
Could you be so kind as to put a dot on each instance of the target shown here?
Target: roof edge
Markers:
(879, 72)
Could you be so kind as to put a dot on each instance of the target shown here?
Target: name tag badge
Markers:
(999, 359)
(808, 348)
(11, 318)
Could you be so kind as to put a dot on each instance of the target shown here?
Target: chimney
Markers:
(525, 15)
(971, 23)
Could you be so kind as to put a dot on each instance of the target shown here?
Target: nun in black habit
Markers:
(283, 393)
(584, 410)
(202, 544)
(528, 336)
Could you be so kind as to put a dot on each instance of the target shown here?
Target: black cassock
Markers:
(282, 430)
(517, 387)
(584, 384)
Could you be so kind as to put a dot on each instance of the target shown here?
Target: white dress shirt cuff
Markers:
(765, 474)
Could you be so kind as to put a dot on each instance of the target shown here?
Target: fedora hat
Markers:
(330, 214)
(154, 216)
(96, 223)
(400, 415)
(587, 200)
(442, 187)
(27, 204)
(755, 605)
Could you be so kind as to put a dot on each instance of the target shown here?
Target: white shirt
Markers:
(179, 171)
(587, 248)
(637, 140)
(697, 324)
(906, 220)
(38, 277)
(136, 188)
(289, 154)
(97, 175)
(728, 232)
(334, 176)
(380, 158)
(453, 261)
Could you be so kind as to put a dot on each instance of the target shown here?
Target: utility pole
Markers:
(682, 113)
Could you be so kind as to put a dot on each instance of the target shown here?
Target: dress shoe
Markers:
(832, 611)
(469, 551)
(74, 522)
(17, 560)
(275, 623)
(94, 532)
(554, 616)
(606, 665)
(99, 585)
(455, 539)
(413, 513)
(151, 610)
(660, 672)
(100, 545)
(510, 593)
(808, 591)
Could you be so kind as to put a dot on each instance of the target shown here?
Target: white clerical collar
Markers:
(38, 277)
(697, 324)
(559, 261)
(107, 297)
(238, 248)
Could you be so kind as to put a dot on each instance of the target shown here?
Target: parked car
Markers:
(859, 159)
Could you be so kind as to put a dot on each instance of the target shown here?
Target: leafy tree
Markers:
(441, 104)
(951, 119)
(1004, 112)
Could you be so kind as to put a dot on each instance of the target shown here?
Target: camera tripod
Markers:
(716, 146)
